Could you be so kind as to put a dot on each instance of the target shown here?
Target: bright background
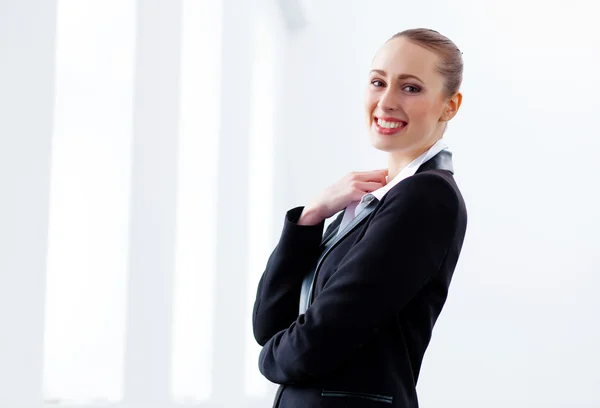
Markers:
(149, 150)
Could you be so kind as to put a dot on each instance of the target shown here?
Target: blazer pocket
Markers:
(371, 397)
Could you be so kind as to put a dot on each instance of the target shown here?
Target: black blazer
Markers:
(378, 293)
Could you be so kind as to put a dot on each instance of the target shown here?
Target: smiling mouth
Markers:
(389, 126)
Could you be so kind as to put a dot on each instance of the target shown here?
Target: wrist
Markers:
(310, 216)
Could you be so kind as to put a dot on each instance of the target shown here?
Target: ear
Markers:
(452, 107)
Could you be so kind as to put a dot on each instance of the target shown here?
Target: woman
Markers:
(345, 317)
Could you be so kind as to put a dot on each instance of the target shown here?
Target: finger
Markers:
(373, 175)
(379, 176)
(385, 178)
(368, 186)
(370, 172)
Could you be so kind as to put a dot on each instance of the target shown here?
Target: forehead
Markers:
(400, 56)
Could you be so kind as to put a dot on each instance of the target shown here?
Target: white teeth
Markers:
(389, 125)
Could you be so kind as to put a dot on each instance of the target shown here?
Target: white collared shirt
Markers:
(410, 170)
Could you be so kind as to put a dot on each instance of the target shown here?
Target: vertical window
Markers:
(89, 202)
(261, 167)
(193, 313)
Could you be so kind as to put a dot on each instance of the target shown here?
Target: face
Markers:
(406, 106)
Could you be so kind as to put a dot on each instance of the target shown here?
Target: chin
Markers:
(382, 144)
(381, 147)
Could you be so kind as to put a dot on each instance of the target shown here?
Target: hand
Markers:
(337, 196)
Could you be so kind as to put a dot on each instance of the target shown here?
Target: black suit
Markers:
(377, 295)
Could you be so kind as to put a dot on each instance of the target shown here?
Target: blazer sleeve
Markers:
(278, 293)
(401, 249)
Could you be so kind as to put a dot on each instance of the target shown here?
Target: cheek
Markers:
(421, 110)
(370, 105)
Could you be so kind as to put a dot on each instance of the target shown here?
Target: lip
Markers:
(387, 131)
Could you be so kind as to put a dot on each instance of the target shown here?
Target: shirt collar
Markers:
(411, 169)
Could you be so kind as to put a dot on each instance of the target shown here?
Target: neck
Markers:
(398, 160)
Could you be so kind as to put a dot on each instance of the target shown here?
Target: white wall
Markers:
(26, 93)
(520, 327)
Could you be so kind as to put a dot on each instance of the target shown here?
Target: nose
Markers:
(388, 101)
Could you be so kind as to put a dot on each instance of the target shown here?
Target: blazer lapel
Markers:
(306, 290)
(308, 279)
(335, 229)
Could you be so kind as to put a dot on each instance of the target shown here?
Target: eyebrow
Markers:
(401, 76)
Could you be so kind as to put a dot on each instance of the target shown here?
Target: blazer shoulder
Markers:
(432, 187)
(427, 184)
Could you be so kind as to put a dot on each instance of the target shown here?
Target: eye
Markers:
(377, 83)
(413, 87)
